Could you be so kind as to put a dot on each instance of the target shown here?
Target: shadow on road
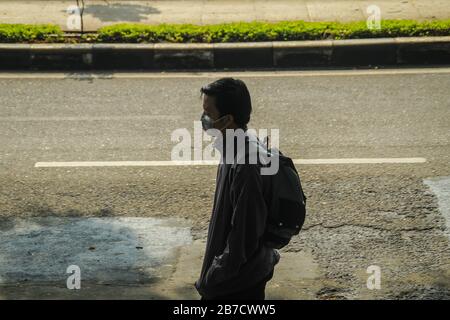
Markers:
(119, 258)
(89, 76)
(119, 12)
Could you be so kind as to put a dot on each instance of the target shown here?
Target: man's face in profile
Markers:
(209, 106)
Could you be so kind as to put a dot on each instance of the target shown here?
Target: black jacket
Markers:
(235, 257)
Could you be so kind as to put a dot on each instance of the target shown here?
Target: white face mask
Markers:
(207, 122)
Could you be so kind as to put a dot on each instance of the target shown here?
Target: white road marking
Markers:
(124, 163)
(250, 74)
(92, 118)
(359, 160)
(216, 162)
(440, 186)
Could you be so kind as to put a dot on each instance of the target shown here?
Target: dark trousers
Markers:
(255, 292)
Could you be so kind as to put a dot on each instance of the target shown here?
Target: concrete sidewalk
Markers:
(102, 13)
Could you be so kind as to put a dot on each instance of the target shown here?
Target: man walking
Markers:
(237, 264)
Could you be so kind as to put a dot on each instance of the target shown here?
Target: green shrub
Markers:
(262, 31)
(229, 32)
(30, 33)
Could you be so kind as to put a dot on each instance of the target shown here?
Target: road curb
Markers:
(278, 54)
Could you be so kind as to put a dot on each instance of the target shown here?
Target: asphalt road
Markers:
(358, 214)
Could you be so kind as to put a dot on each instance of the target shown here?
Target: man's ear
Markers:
(226, 121)
(229, 120)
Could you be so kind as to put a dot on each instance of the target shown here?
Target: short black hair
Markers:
(232, 97)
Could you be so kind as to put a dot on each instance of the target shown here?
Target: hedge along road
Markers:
(383, 214)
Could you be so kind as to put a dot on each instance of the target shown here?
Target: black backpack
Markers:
(285, 200)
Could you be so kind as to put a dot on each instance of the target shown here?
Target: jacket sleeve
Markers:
(247, 226)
